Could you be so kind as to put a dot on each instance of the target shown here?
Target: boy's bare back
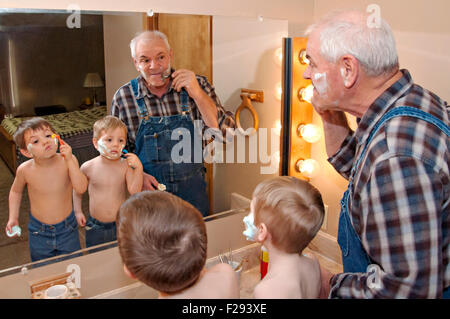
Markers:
(49, 188)
(297, 279)
(107, 187)
(218, 282)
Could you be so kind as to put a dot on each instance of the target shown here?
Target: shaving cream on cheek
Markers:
(104, 151)
(29, 146)
(320, 83)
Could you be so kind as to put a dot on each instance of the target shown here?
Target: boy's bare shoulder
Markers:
(23, 168)
(265, 289)
(224, 281)
(222, 268)
(89, 163)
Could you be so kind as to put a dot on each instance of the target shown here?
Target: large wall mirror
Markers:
(47, 56)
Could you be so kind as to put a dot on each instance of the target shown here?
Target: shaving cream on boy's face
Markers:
(251, 231)
(106, 152)
(29, 147)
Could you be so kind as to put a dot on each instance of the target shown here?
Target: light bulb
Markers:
(278, 56)
(306, 93)
(278, 127)
(309, 132)
(309, 167)
(302, 57)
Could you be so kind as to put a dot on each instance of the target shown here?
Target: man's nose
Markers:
(153, 64)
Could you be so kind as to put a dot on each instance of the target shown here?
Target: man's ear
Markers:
(128, 273)
(349, 69)
(26, 153)
(136, 65)
(263, 233)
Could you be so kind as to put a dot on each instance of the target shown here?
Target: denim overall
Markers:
(154, 147)
(354, 257)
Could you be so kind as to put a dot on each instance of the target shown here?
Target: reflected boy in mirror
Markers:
(162, 241)
(110, 176)
(50, 178)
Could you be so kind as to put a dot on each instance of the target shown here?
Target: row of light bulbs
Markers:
(309, 132)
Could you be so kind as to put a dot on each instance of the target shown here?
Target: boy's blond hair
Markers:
(106, 123)
(162, 240)
(292, 210)
(35, 123)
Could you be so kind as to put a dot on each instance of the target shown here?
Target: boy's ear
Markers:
(263, 233)
(128, 273)
(95, 142)
(26, 153)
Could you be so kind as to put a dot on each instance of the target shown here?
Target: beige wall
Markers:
(243, 57)
(118, 30)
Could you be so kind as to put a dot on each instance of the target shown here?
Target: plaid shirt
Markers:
(124, 106)
(400, 201)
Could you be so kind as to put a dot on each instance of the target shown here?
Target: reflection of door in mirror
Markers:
(190, 38)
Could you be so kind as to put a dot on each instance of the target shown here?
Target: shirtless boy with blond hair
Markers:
(288, 212)
(162, 242)
(50, 178)
(110, 176)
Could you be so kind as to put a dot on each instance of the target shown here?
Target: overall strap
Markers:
(184, 101)
(401, 111)
(142, 108)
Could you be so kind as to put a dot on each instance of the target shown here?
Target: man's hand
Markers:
(188, 80)
(150, 183)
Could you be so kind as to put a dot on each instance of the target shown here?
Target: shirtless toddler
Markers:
(110, 176)
(287, 213)
(162, 241)
(50, 178)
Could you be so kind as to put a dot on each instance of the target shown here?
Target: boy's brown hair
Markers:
(292, 210)
(35, 123)
(106, 123)
(162, 240)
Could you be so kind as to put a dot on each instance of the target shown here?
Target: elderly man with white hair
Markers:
(394, 222)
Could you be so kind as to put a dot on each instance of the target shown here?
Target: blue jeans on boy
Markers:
(98, 232)
(47, 241)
